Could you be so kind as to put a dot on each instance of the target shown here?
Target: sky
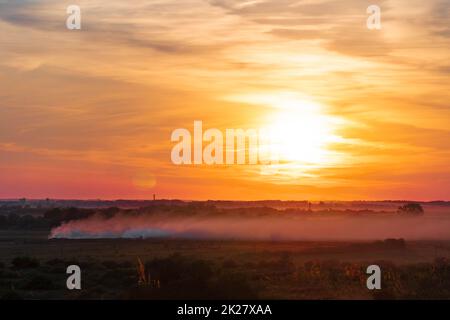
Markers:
(88, 114)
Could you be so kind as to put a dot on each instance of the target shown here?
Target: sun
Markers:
(301, 133)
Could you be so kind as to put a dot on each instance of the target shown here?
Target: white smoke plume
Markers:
(256, 228)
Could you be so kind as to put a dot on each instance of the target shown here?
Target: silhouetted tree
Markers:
(411, 209)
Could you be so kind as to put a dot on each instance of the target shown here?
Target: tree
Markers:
(411, 209)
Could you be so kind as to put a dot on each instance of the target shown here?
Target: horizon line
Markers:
(217, 200)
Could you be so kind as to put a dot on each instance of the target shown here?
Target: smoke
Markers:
(256, 228)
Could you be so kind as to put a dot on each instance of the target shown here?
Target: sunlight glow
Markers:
(302, 135)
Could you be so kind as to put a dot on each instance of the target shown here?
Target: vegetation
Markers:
(25, 263)
(34, 267)
(411, 209)
(183, 277)
(17, 218)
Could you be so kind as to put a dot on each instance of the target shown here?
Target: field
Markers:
(220, 269)
(224, 250)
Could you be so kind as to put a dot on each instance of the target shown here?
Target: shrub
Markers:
(56, 261)
(411, 209)
(25, 263)
(39, 283)
(394, 243)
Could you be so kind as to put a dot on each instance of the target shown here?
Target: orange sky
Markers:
(89, 113)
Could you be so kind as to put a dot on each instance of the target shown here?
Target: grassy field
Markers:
(37, 244)
(220, 269)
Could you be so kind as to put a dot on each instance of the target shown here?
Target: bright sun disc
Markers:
(301, 133)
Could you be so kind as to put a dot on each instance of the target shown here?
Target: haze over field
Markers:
(291, 221)
(257, 228)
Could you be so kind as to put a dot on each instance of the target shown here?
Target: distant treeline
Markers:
(21, 218)
(45, 204)
(29, 219)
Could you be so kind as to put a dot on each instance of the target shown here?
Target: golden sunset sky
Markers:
(89, 113)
